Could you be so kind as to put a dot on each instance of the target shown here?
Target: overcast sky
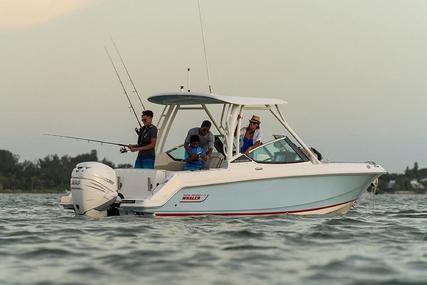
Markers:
(354, 73)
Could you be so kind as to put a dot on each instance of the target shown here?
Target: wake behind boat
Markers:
(282, 176)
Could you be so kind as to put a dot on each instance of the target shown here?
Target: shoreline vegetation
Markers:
(45, 175)
(52, 174)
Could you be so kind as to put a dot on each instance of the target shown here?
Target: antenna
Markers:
(188, 79)
(127, 72)
(121, 83)
(204, 48)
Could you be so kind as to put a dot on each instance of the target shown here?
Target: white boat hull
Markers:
(195, 194)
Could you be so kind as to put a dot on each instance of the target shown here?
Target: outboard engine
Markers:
(93, 189)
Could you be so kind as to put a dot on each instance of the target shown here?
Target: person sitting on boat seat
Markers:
(207, 139)
(195, 156)
(251, 135)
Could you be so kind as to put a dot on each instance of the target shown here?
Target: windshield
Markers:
(282, 150)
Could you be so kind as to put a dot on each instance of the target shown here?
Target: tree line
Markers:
(402, 181)
(51, 173)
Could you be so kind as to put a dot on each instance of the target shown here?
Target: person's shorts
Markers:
(144, 163)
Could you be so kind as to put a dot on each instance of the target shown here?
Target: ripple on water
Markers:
(90, 271)
(248, 247)
(246, 233)
(47, 252)
(32, 239)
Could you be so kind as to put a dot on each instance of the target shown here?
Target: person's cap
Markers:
(255, 119)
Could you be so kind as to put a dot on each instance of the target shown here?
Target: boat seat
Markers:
(284, 156)
(215, 161)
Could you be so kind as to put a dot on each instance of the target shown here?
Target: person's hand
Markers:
(247, 152)
(132, 147)
(205, 158)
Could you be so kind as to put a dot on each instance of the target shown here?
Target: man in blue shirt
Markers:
(195, 155)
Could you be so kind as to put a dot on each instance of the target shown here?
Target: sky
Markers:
(353, 72)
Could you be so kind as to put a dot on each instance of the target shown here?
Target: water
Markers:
(42, 244)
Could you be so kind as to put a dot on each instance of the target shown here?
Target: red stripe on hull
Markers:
(247, 214)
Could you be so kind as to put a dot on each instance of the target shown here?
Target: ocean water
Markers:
(378, 242)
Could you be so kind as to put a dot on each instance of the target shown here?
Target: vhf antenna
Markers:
(127, 72)
(188, 80)
(124, 89)
(204, 48)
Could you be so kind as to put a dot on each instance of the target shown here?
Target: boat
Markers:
(281, 176)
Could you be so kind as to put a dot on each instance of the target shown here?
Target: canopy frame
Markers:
(230, 118)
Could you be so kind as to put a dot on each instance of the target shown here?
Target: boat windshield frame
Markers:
(296, 151)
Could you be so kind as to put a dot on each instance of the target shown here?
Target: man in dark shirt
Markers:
(147, 138)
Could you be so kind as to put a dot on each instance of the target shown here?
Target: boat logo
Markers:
(193, 198)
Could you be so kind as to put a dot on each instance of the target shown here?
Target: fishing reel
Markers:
(123, 150)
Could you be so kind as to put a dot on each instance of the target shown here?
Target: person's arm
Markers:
(209, 152)
(211, 144)
(203, 154)
(188, 157)
(257, 138)
(187, 142)
(257, 144)
(151, 145)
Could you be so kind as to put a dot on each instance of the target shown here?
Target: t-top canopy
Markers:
(196, 98)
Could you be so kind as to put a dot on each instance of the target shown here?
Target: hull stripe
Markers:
(248, 213)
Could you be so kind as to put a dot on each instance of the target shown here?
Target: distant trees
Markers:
(8, 162)
(49, 173)
(403, 181)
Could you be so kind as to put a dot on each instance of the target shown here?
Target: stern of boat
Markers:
(94, 190)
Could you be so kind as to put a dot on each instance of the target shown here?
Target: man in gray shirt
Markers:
(206, 137)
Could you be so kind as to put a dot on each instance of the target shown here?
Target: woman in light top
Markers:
(251, 135)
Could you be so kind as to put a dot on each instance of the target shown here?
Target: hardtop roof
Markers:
(196, 98)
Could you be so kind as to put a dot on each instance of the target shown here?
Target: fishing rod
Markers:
(204, 48)
(124, 89)
(122, 150)
(127, 72)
